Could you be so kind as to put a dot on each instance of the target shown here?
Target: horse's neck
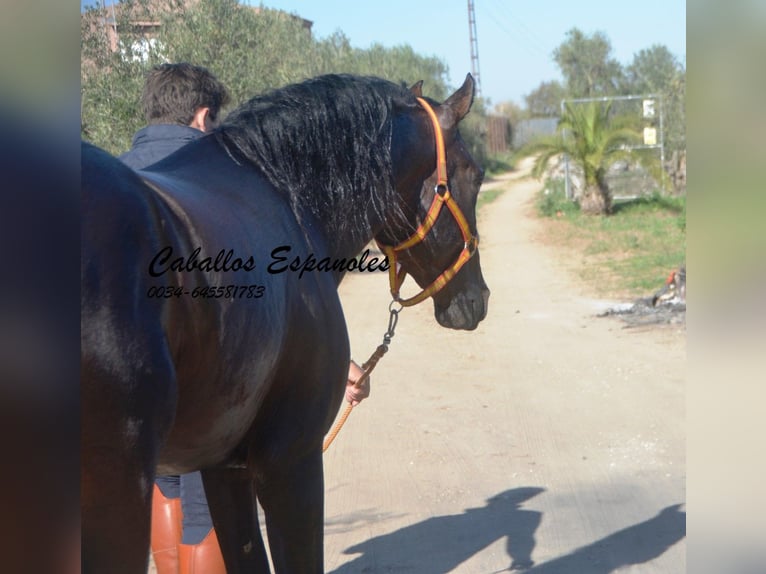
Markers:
(344, 243)
(346, 228)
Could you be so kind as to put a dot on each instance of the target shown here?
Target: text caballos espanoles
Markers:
(281, 261)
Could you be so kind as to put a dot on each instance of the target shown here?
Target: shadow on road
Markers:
(636, 544)
(440, 544)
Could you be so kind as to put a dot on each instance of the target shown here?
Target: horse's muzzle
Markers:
(465, 310)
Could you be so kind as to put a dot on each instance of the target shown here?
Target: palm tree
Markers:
(594, 142)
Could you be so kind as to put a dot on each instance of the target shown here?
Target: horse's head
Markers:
(440, 246)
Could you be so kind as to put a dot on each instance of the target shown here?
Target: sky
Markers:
(516, 39)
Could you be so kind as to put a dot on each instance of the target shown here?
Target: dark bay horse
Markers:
(208, 341)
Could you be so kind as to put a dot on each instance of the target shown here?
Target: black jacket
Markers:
(157, 141)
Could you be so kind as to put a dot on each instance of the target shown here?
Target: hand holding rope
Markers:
(367, 368)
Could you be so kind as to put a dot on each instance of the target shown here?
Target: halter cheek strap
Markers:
(442, 197)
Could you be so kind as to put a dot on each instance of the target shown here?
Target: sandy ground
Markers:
(547, 436)
(548, 440)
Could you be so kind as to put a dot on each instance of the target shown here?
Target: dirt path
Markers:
(546, 435)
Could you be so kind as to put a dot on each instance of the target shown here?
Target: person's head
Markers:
(183, 94)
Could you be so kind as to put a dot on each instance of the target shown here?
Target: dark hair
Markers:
(174, 92)
(323, 142)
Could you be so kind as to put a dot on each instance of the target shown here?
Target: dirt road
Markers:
(546, 436)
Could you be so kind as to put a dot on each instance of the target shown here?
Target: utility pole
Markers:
(474, 47)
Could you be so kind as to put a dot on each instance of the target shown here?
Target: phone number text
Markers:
(208, 292)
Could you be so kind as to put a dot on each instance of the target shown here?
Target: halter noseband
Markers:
(442, 196)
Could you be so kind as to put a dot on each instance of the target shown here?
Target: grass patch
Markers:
(488, 196)
(493, 166)
(627, 254)
(552, 201)
(500, 163)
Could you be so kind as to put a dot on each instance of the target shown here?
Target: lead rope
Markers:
(367, 368)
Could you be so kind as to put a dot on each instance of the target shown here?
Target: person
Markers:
(182, 102)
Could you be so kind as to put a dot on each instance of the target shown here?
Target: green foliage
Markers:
(473, 130)
(487, 197)
(500, 163)
(587, 66)
(656, 203)
(652, 71)
(589, 70)
(645, 241)
(249, 51)
(656, 71)
(111, 81)
(629, 253)
(399, 64)
(592, 142)
(111, 111)
(552, 201)
(545, 100)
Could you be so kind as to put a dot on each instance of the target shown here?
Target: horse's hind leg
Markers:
(292, 496)
(124, 421)
(115, 521)
(233, 508)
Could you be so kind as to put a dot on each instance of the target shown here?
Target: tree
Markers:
(656, 70)
(473, 130)
(586, 64)
(592, 142)
(249, 50)
(111, 76)
(675, 106)
(545, 100)
(652, 70)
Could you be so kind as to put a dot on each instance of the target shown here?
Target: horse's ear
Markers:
(460, 102)
(417, 89)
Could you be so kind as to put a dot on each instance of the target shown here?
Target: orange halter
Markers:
(442, 196)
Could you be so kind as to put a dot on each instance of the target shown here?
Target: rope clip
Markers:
(393, 319)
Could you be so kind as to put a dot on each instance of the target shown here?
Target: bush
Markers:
(499, 163)
(552, 200)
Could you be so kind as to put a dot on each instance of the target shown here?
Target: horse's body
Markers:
(243, 382)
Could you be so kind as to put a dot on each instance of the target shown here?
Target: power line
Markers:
(504, 21)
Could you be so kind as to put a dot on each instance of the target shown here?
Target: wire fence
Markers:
(631, 178)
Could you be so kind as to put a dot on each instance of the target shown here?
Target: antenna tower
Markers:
(474, 47)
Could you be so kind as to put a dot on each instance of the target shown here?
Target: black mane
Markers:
(324, 143)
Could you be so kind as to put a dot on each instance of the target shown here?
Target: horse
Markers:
(212, 335)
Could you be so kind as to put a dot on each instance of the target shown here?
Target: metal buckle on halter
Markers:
(441, 189)
(472, 244)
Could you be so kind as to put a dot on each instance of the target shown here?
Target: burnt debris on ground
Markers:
(666, 306)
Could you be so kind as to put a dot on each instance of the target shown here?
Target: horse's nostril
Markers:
(477, 302)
